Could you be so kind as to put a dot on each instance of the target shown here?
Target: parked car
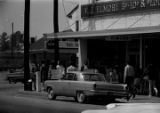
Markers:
(82, 85)
(16, 77)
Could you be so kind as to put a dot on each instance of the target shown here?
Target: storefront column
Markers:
(91, 25)
(127, 53)
(141, 53)
(82, 52)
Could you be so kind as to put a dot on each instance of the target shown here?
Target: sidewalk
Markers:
(142, 99)
(137, 99)
(42, 94)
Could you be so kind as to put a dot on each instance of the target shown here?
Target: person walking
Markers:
(152, 74)
(33, 75)
(52, 67)
(84, 67)
(61, 70)
(129, 75)
(71, 67)
(43, 72)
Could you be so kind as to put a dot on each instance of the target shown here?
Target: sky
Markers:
(41, 19)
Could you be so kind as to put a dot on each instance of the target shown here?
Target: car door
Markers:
(72, 85)
(68, 84)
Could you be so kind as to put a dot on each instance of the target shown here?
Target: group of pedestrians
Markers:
(131, 75)
(130, 79)
(56, 71)
(49, 70)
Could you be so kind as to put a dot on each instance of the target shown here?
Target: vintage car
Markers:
(82, 85)
(15, 77)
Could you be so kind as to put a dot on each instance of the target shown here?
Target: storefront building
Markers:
(111, 32)
(115, 31)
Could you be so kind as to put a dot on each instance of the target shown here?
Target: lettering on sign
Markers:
(50, 44)
(115, 7)
(117, 39)
(70, 44)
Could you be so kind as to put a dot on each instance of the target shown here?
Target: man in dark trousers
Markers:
(129, 75)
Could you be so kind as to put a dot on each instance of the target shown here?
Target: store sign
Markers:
(117, 38)
(117, 7)
(50, 44)
(68, 44)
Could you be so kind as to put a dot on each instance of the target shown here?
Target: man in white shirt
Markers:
(129, 75)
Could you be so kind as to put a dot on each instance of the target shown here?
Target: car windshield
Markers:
(94, 77)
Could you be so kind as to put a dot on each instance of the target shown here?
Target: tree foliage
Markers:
(4, 42)
(17, 40)
(14, 41)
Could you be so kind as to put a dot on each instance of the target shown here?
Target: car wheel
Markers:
(51, 95)
(80, 97)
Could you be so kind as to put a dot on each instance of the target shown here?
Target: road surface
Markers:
(12, 102)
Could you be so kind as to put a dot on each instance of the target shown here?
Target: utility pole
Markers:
(56, 30)
(26, 44)
(12, 49)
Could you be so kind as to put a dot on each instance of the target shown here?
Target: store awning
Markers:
(61, 51)
(109, 32)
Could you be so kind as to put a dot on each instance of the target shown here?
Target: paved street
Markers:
(13, 99)
(6, 88)
(16, 104)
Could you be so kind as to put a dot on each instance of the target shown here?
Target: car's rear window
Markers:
(94, 77)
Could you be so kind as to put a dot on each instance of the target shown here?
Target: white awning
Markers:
(108, 32)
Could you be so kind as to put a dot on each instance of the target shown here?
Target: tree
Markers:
(14, 41)
(17, 40)
(4, 42)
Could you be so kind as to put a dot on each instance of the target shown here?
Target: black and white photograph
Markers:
(79, 56)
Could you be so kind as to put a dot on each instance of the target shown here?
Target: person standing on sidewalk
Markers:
(33, 74)
(129, 75)
(152, 74)
(43, 72)
(71, 67)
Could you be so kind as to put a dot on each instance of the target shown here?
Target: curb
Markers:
(113, 105)
(32, 93)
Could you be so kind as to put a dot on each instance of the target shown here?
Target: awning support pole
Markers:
(141, 53)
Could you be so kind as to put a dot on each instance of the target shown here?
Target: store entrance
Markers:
(152, 55)
(134, 57)
(108, 53)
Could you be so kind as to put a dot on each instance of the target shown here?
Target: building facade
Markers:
(114, 31)
(43, 50)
